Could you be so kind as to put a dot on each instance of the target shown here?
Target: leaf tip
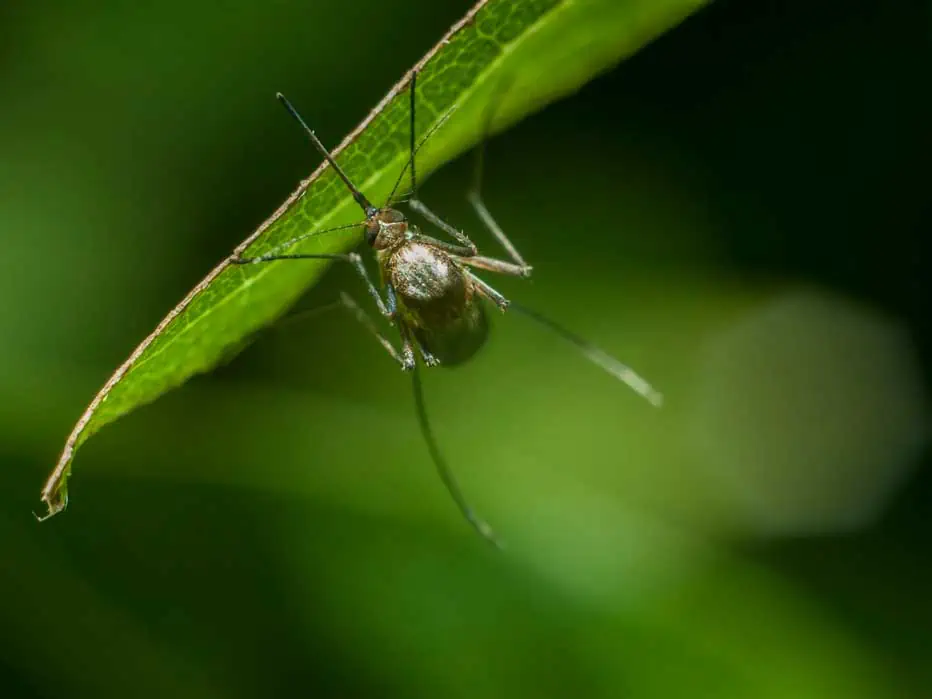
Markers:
(55, 493)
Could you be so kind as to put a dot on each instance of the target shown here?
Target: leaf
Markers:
(542, 49)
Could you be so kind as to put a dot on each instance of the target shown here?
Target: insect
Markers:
(429, 290)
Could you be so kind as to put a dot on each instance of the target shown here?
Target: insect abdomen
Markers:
(457, 341)
(438, 302)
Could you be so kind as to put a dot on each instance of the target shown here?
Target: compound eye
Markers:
(393, 216)
(371, 231)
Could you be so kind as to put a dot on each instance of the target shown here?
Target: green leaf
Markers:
(540, 49)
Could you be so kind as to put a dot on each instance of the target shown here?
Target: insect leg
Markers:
(386, 309)
(446, 475)
(597, 356)
(405, 359)
(297, 239)
(475, 198)
(413, 132)
(415, 148)
(451, 248)
(494, 265)
(429, 359)
(488, 292)
(468, 247)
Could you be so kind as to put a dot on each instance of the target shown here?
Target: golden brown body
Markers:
(436, 301)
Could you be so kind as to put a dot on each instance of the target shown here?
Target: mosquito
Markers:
(429, 290)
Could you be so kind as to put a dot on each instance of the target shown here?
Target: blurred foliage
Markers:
(738, 212)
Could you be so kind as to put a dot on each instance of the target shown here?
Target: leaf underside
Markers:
(540, 49)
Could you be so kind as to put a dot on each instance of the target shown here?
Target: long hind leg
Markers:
(443, 469)
(594, 354)
(475, 193)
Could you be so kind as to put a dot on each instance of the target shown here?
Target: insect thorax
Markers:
(386, 229)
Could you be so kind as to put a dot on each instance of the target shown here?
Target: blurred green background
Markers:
(737, 212)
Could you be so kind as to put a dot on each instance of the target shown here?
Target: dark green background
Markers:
(737, 211)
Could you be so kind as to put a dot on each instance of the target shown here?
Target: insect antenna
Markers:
(357, 195)
(446, 475)
(597, 356)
